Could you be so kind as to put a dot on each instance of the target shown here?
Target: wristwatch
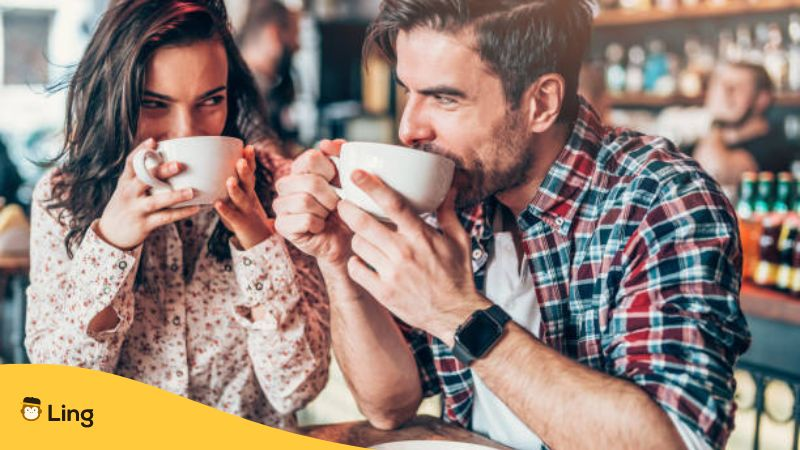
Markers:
(479, 333)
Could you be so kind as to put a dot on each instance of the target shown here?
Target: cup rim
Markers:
(192, 138)
(398, 148)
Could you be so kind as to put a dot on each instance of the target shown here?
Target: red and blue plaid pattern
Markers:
(636, 262)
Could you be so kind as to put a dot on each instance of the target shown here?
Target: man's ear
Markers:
(544, 100)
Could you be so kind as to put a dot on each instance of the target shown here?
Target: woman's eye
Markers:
(213, 101)
(153, 104)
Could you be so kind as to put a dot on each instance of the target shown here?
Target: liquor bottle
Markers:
(776, 61)
(768, 257)
(615, 72)
(783, 278)
(793, 78)
(783, 198)
(747, 196)
(794, 286)
(656, 64)
(634, 74)
(765, 189)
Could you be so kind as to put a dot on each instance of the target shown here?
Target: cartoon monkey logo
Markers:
(31, 408)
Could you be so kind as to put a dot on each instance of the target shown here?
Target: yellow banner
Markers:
(45, 406)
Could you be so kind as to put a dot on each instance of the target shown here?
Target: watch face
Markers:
(480, 334)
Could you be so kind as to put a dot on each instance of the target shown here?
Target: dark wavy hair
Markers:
(520, 40)
(105, 94)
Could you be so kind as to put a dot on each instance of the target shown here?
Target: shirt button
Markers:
(176, 321)
(259, 286)
(228, 268)
(477, 253)
(559, 221)
(173, 267)
(179, 373)
(247, 261)
(122, 265)
(106, 290)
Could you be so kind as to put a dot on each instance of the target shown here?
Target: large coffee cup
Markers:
(422, 178)
(208, 162)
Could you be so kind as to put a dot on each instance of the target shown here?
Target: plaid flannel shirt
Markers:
(636, 261)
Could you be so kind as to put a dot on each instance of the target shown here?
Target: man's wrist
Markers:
(446, 327)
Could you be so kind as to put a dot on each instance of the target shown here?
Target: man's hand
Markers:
(422, 276)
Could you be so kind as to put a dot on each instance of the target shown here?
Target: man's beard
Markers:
(747, 115)
(506, 169)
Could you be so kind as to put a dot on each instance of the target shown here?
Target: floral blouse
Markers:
(184, 316)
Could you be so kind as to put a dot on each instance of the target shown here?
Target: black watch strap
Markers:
(496, 315)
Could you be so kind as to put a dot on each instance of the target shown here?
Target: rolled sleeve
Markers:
(677, 328)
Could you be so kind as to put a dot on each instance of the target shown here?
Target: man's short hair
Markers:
(763, 82)
(520, 40)
(261, 13)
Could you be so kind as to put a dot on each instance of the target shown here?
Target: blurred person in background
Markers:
(741, 138)
(268, 41)
(209, 303)
(10, 181)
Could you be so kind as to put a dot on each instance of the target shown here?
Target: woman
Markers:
(210, 304)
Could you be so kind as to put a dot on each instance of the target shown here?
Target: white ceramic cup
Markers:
(422, 178)
(208, 162)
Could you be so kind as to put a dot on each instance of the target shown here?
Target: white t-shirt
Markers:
(510, 285)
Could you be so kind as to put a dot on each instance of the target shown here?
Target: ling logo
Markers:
(32, 410)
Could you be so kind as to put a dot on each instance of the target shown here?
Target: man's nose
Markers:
(415, 126)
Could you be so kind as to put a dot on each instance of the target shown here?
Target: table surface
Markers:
(427, 428)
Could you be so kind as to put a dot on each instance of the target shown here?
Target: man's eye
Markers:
(445, 101)
(213, 101)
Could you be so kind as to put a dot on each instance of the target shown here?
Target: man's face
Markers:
(457, 108)
(731, 95)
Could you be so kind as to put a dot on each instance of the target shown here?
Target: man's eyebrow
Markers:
(438, 90)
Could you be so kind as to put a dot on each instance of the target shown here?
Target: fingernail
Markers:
(174, 168)
(358, 176)
(188, 192)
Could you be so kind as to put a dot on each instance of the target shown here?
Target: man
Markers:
(616, 257)
(268, 40)
(741, 138)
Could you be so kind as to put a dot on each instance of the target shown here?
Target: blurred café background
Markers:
(676, 68)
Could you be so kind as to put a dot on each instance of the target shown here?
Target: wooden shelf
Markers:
(618, 18)
(770, 304)
(653, 101)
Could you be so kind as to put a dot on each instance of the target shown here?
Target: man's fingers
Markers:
(295, 225)
(163, 200)
(393, 204)
(366, 278)
(369, 228)
(314, 162)
(167, 216)
(448, 220)
(300, 203)
(369, 253)
(313, 185)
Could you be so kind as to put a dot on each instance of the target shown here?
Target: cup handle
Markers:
(339, 191)
(140, 161)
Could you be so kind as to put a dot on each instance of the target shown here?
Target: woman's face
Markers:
(185, 92)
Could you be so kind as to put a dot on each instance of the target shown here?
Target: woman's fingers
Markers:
(163, 200)
(168, 216)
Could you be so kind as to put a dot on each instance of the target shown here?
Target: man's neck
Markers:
(547, 148)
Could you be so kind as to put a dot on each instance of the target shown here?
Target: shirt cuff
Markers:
(100, 271)
(692, 439)
(266, 275)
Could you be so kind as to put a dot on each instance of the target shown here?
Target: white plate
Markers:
(429, 445)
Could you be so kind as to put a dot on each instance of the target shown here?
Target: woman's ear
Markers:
(544, 100)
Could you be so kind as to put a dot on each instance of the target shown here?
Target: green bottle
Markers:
(764, 198)
(783, 199)
(747, 196)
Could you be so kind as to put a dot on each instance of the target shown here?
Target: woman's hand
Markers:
(243, 213)
(131, 214)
